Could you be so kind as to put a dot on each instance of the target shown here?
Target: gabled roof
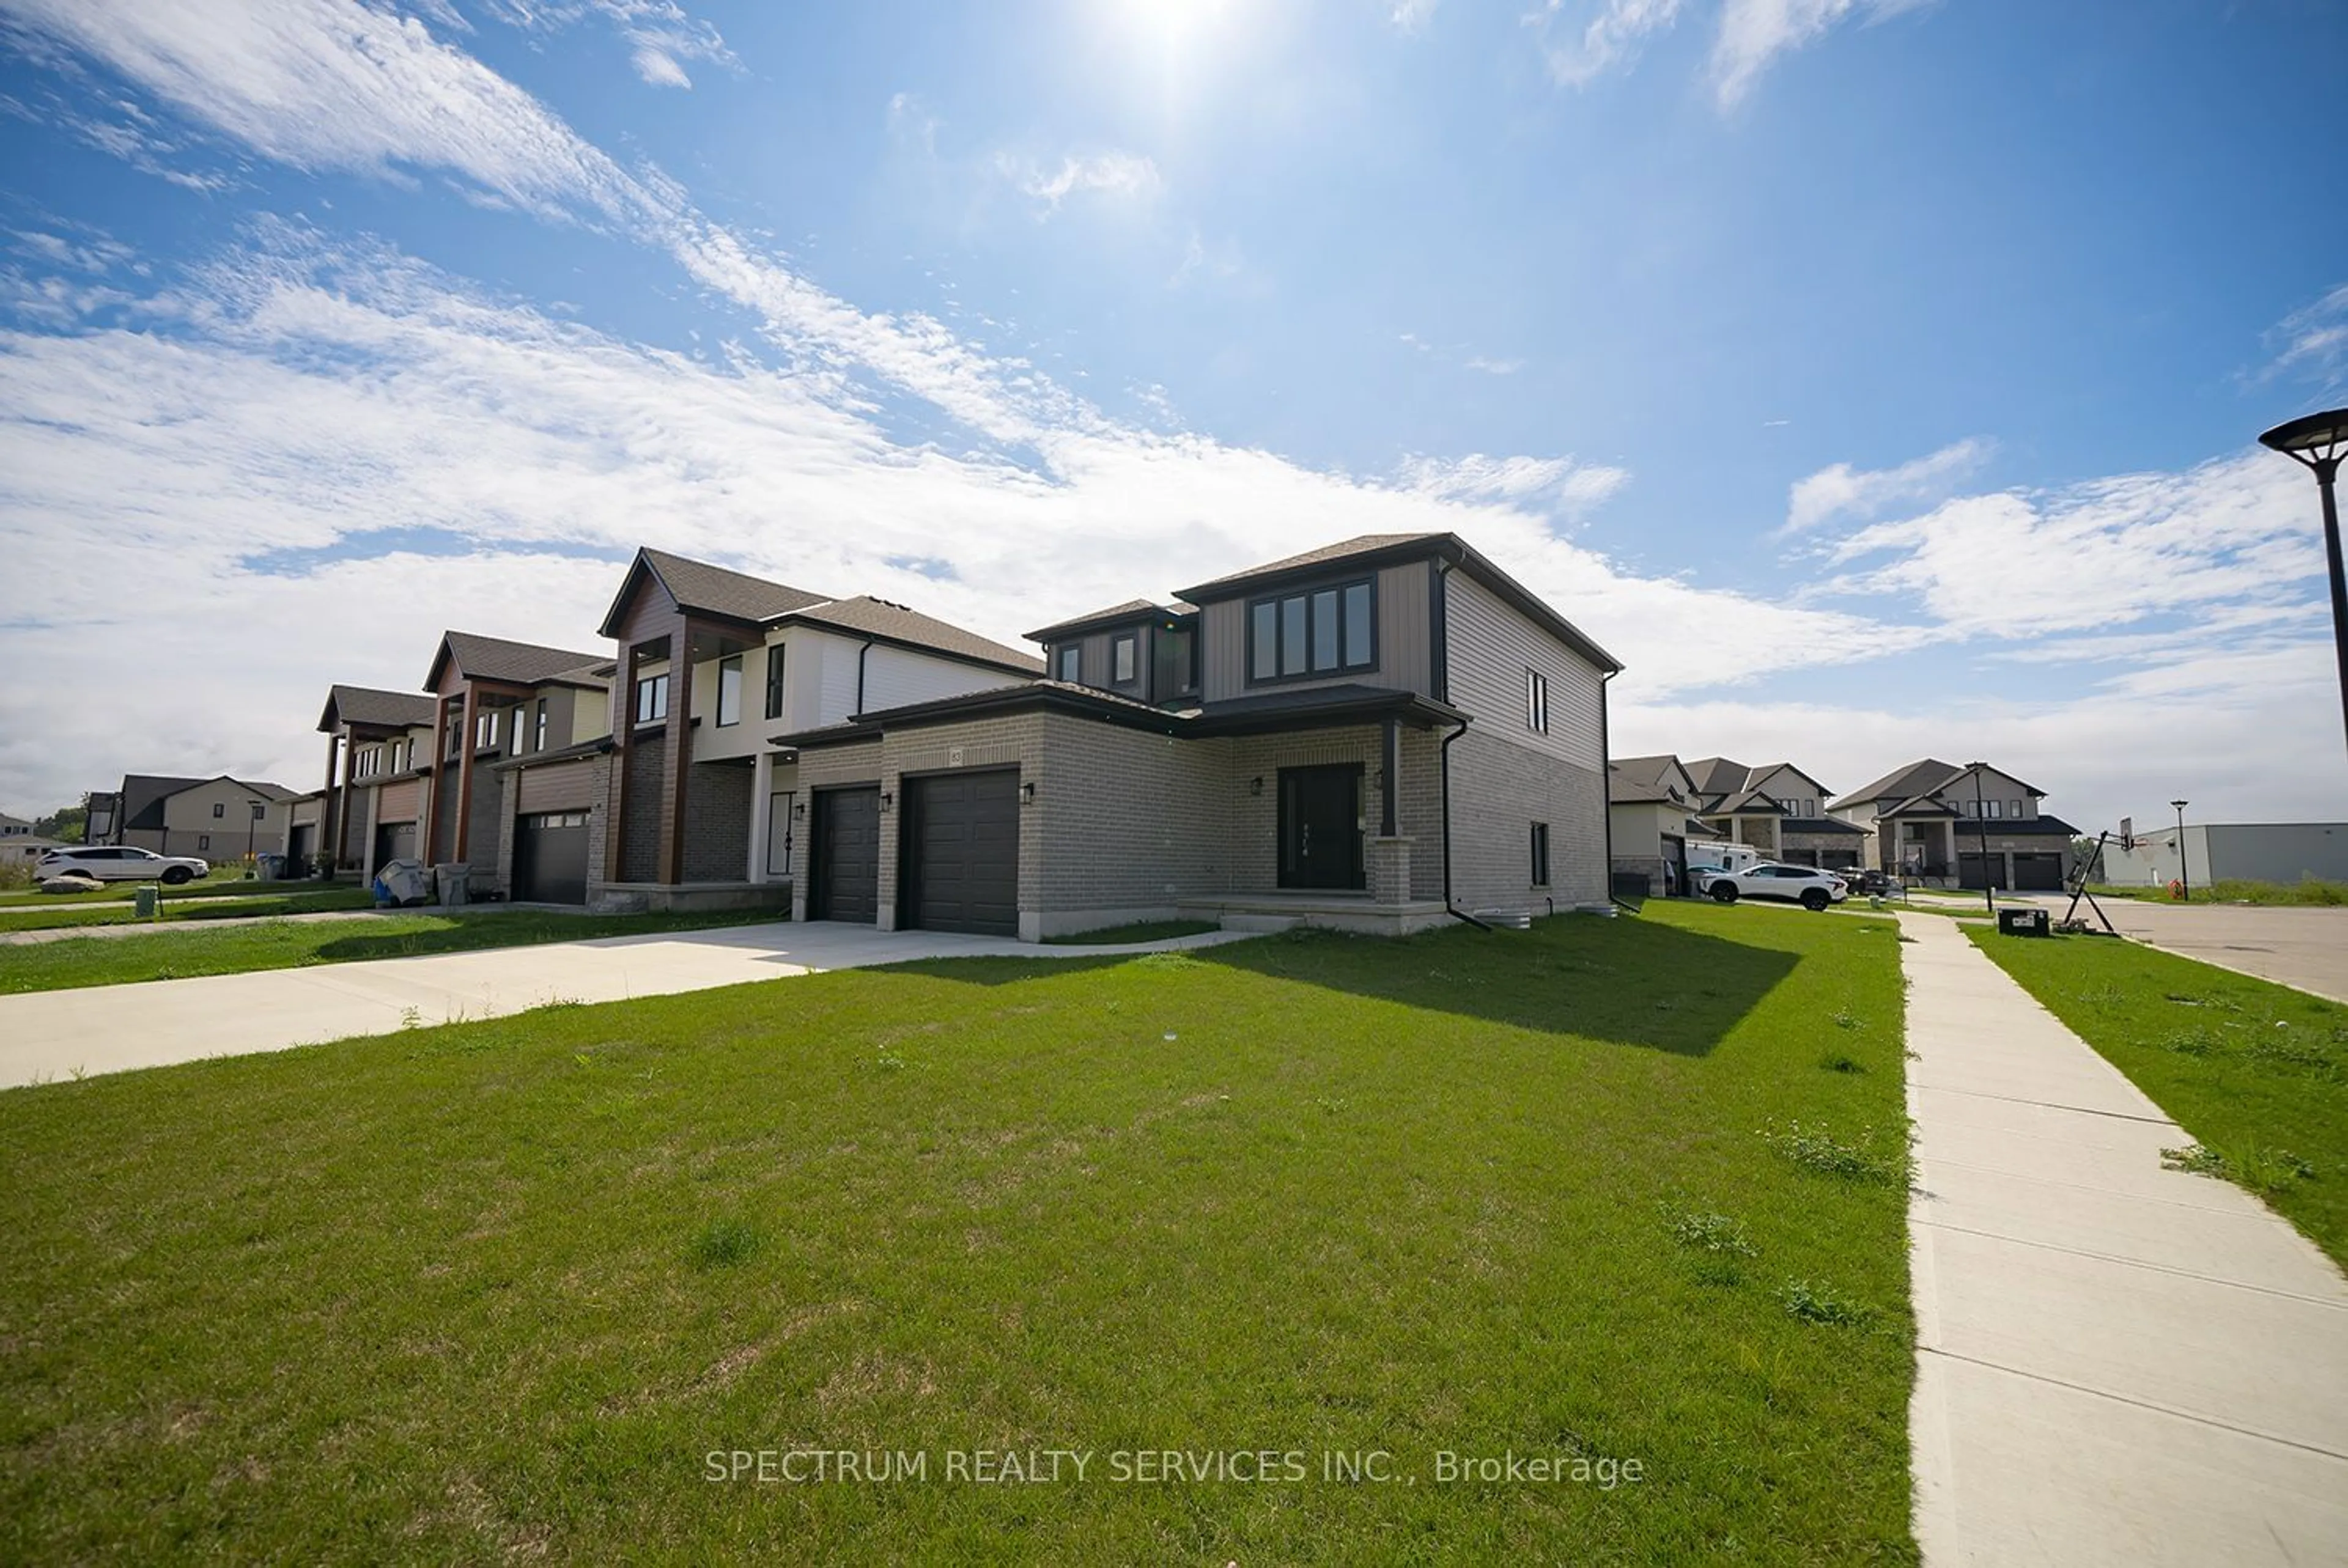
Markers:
(1636, 780)
(1132, 610)
(1903, 783)
(885, 621)
(702, 588)
(366, 705)
(1745, 800)
(1371, 551)
(143, 796)
(1718, 775)
(482, 658)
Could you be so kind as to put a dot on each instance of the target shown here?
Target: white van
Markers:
(1704, 860)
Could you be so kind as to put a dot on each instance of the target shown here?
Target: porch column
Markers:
(329, 840)
(677, 757)
(430, 815)
(464, 775)
(1390, 765)
(762, 790)
(623, 724)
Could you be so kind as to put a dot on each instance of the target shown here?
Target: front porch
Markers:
(1362, 913)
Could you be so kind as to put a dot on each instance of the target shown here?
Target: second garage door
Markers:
(962, 852)
(2038, 873)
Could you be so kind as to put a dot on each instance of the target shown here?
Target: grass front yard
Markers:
(73, 961)
(1604, 1191)
(261, 899)
(2256, 1072)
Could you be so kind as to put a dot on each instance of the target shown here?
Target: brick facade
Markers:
(1499, 790)
(717, 822)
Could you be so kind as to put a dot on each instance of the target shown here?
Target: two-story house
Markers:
(219, 818)
(686, 801)
(1778, 809)
(1931, 819)
(1651, 813)
(377, 746)
(1380, 735)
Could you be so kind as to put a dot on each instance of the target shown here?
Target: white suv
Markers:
(1803, 885)
(121, 863)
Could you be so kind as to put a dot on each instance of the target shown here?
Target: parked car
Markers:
(1805, 885)
(1871, 880)
(122, 863)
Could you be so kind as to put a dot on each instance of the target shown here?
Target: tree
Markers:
(67, 824)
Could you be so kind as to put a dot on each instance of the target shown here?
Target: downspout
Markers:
(1448, 906)
(860, 678)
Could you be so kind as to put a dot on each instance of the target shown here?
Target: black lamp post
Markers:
(2317, 442)
(1981, 841)
(2184, 870)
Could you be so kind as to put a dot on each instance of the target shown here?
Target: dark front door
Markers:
(847, 883)
(1321, 826)
(551, 857)
(962, 852)
(394, 841)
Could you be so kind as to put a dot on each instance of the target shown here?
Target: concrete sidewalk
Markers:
(2115, 1363)
(49, 1035)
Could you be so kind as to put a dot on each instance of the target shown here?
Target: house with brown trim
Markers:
(693, 805)
(1931, 820)
(1778, 809)
(377, 746)
(1382, 736)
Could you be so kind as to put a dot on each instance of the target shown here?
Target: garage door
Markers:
(394, 841)
(2038, 873)
(1969, 870)
(549, 862)
(961, 848)
(846, 871)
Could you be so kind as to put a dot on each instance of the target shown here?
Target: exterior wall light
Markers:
(1255, 785)
(1027, 792)
(887, 800)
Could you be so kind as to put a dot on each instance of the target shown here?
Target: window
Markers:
(775, 682)
(537, 728)
(1995, 807)
(1540, 855)
(1125, 658)
(259, 811)
(219, 809)
(1068, 664)
(203, 841)
(1320, 632)
(2013, 809)
(1173, 672)
(1536, 701)
(485, 730)
(651, 700)
(730, 690)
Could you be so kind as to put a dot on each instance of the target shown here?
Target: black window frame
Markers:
(259, 811)
(220, 811)
(1062, 656)
(204, 841)
(1126, 644)
(1541, 854)
(651, 700)
(538, 727)
(1306, 638)
(1536, 702)
(485, 730)
(774, 680)
(735, 659)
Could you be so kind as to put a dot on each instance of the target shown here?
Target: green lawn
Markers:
(263, 899)
(502, 1289)
(292, 944)
(2252, 1070)
(213, 886)
(2227, 890)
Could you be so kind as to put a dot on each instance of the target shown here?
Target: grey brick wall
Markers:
(1497, 790)
(717, 822)
(482, 845)
(640, 851)
(509, 805)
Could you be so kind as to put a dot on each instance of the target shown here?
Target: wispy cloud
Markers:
(1578, 52)
(1410, 15)
(660, 34)
(1843, 491)
(2312, 343)
(1584, 41)
(1114, 173)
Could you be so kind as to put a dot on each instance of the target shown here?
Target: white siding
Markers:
(895, 677)
(1490, 647)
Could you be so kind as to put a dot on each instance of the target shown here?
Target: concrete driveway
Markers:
(50, 1035)
(2306, 947)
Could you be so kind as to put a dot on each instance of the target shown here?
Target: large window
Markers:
(537, 728)
(485, 730)
(1068, 664)
(651, 698)
(1125, 658)
(1536, 701)
(1173, 673)
(1320, 631)
(775, 680)
(729, 690)
(1540, 855)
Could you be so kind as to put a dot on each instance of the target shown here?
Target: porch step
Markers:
(1261, 924)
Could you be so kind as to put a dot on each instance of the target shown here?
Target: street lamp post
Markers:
(2317, 442)
(2184, 868)
(1981, 841)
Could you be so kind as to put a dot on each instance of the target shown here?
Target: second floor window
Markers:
(1536, 701)
(537, 728)
(1321, 632)
(259, 811)
(730, 690)
(1068, 664)
(1124, 659)
(219, 809)
(651, 700)
(775, 682)
(485, 730)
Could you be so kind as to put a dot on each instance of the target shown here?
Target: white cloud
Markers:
(1119, 175)
(1842, 490)
(1750, 36)
(1410, 15)
(2312, 342)
(660, 34)
(1571, 487)
(1494, 366)
(1611, 38)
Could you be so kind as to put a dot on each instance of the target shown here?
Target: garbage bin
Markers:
(2023, 920)
(145, 901)
(403, 884)
(269, 866)
(451, 881)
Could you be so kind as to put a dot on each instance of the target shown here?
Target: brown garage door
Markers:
(2038, 873)
(846, 883)
(962, 852)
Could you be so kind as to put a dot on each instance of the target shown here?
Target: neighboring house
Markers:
(219, 819)
(13, 828)
(378, 756)
(1650, 810)
(695, 804)
(1376, 735)
(1776, 808)
(2283, 852)
(497, 702)
(1933, 819)
(22, 848)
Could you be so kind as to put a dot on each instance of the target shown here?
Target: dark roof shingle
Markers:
(868, 616)
(721, 591)
(369, 705)
(496, 659)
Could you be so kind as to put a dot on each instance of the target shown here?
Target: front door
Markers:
(1321, 826)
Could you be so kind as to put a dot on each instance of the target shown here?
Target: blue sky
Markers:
(1876, 378)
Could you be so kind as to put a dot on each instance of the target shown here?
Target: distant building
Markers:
(2238, 851)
